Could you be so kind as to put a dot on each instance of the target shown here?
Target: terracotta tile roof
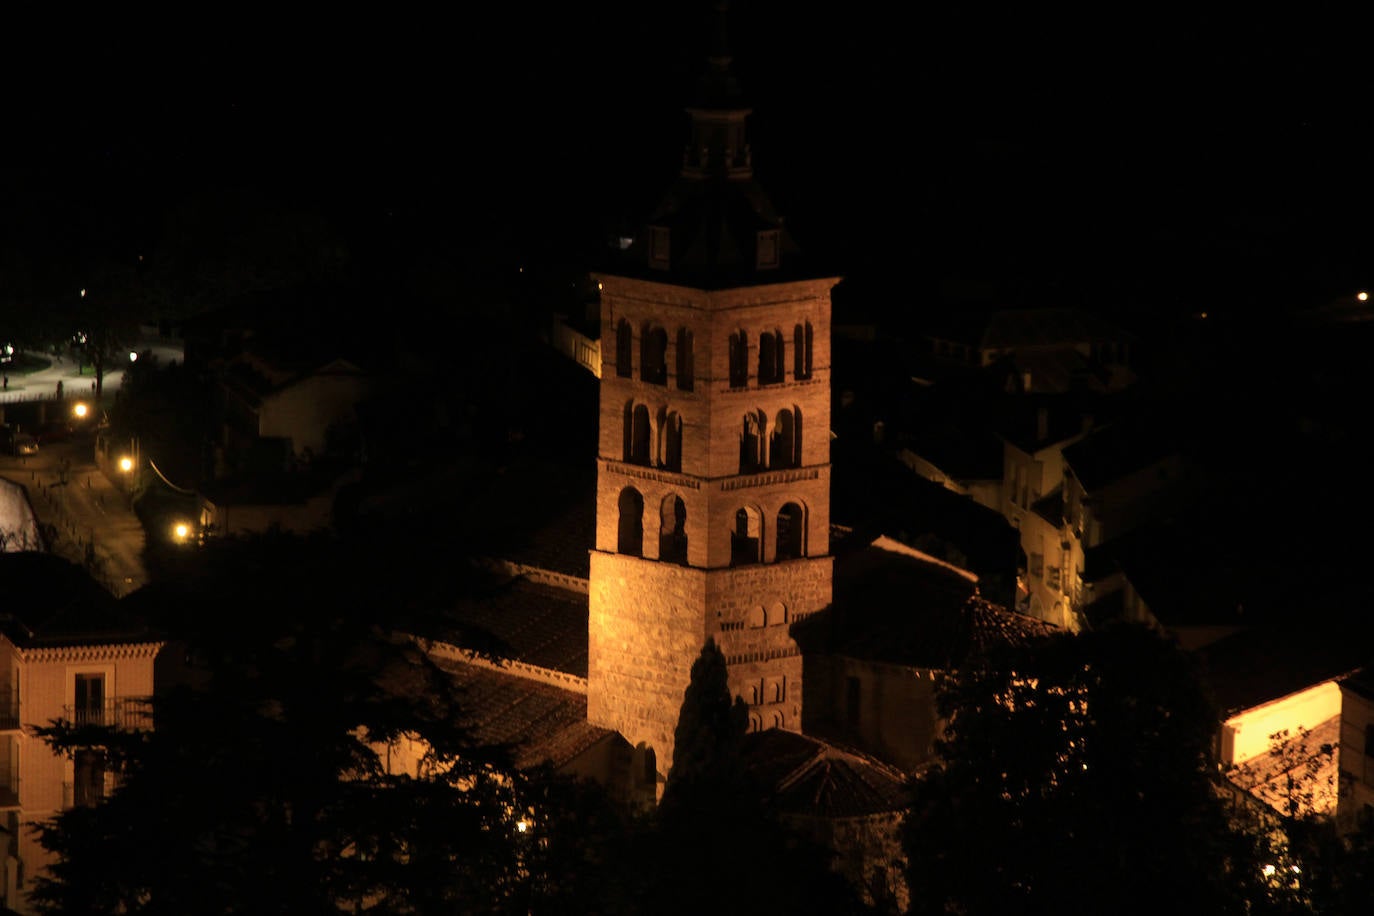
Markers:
(539, 625)
(808, 777)
(894, 605)
(540, 723)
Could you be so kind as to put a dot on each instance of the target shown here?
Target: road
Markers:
(87, 515)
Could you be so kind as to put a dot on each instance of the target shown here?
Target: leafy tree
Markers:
(276, 779)
(716, 846)
(1078, 776)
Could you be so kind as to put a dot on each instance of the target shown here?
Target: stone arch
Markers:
(755, 722)
(739, 359)
(653, 355)
(672, 530)
(777, 614)
(630, 528)
(672, 441)
(758, 617)
(638, 435)
(644, 780)
(790, 533)
(624, 349)
(772, 358)
(685, 359)
(801, 351)
(784, 443)
(746, 536)
(777, 720)
(751, 442)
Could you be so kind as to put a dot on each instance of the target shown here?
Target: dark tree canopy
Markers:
(1078, 776)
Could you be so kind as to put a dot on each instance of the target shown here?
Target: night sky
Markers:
(1147, 163)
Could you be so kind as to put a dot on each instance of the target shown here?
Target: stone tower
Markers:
(713, 483)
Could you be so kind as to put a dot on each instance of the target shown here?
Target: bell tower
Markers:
(713, 464)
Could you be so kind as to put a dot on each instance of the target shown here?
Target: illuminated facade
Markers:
(713, 480)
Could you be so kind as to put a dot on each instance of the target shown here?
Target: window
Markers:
(751, 443)
(672, 442)
(659, 251)
(672, 532)
(637, 435)
(1037, 565)
(771, 358)
(784, 445)
(739, 359)
(88, 782)
(789, 533)
(630, 532)
(768, 249)
(686, 369)
(653, 357)
(745, 537)
(624, 349)
(801, 351)
(89, 706)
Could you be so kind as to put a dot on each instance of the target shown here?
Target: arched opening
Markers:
(785, 445)
(801, 351)
(739, 359)
(791, 532)
(624, 352)
(672, 441)
(771, 358)
(630, 533)
(686, 368)
(637, 435)
(746, 537)
(751, 443)
(757, 620)
(653, 355)
(672, 530)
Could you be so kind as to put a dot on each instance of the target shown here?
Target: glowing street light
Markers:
(126, 464)
(80, 410)
(133, 357)
(181, 531)
(1362, 296)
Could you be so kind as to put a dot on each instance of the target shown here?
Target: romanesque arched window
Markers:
(638, 435)
(686, 367)
(739, 359)
(672, 531)
(630, 533)
(624, 349)
(801, 351)
(790, 533)
(771, 358)
(784, 444)
(746, 537)
(672, 441)
(751, 443)
(653, 355)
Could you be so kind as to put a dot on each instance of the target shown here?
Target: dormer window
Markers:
(768, 249)
(659, 247)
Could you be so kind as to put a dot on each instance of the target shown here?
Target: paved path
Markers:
(87, 515)
(89, 518)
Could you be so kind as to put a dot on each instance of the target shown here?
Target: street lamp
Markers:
(181, 531)
(126, 464)
(80, 410)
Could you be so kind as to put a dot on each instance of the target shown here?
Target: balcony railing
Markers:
(128, 713)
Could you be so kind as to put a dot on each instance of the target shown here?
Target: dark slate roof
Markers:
(539, 722)
(963, 452)
(46, 600)
(1052, 327)
(807, 777)
(893, 605)
(1110, 452)
(540, 625)
(1265, 663)
(1061, 417)
(1361, 682)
